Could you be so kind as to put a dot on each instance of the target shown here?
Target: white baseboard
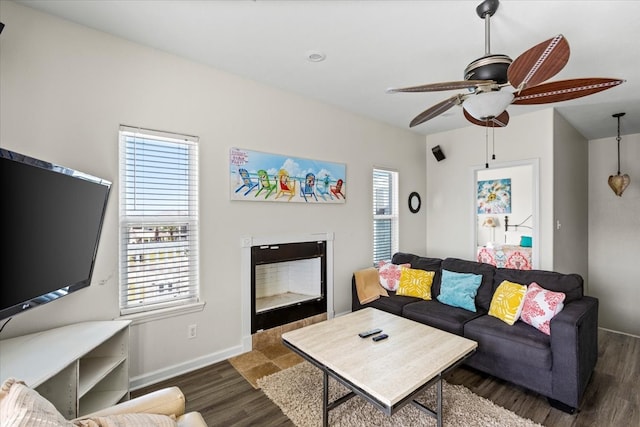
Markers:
(150, 378)
(183, 368)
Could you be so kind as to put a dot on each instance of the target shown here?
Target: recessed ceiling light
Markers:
(315, 56)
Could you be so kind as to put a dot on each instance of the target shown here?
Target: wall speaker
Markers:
(437, 153)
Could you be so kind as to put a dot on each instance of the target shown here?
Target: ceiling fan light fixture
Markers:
(527, 75)
(486, 105)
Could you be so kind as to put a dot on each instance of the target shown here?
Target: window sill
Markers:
(163, 313)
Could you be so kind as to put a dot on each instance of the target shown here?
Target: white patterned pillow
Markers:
(390, 274)
(129, 420)
(540, 306)
(21, 406)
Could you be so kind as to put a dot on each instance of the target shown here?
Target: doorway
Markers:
(505, 210)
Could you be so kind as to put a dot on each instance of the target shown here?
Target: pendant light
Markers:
(619, 183)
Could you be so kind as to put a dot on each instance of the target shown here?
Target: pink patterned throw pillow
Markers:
(540, 305)
(390, 274)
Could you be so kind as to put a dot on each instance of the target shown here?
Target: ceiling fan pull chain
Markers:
(493, 136)
(486, 144)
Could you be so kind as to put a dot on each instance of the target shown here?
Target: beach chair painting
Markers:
(276, 178)
(286, 184)
(337, 189)
(323, 188)
(265, 184)
(247, 182)
(307, 187)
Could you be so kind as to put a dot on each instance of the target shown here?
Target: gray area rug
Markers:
(298, 393)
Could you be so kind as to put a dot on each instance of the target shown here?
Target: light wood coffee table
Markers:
(387, 373)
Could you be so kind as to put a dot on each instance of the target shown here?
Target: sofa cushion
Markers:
(415, 283)
(422, 263)
(459, 289)
(540, 306)
(485, 291)
(520, 344)
(403, 258)
(389, 274)
(392, 304)
(569, 284)
(441, 316)
(507, 301)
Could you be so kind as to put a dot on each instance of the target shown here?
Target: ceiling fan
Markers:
(494, 81)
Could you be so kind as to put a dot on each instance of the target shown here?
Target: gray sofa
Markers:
(557, 366)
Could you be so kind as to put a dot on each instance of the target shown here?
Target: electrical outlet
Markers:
(192, 331)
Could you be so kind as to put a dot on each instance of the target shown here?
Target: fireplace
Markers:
(288, 283)
(285, 279)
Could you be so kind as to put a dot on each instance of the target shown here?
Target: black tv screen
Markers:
(51, 222)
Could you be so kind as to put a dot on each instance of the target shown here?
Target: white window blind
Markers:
(385, 214)
(158, 220)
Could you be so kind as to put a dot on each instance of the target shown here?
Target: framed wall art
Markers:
(494, 196)
(265, 177)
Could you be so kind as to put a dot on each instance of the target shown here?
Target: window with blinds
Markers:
(158, 220)
(385, 214)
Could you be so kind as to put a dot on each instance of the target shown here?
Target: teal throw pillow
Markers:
(459, 289)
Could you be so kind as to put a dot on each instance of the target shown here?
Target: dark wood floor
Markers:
(612, 398)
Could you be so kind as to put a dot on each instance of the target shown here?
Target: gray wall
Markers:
(599, 236)
(451, 186)
(614, 232)
(66, 89)
(570, 195)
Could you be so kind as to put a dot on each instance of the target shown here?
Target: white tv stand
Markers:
(80, 368)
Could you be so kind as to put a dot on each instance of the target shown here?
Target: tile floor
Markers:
(269, 355)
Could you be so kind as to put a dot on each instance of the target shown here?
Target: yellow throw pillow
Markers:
(415, 283)
(507, 302)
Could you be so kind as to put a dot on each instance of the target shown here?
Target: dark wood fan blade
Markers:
(436, 110)
(563, 90)
(497, 122)
(539, 63)
(435, 87)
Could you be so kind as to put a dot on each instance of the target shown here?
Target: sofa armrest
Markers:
(167, 401)
(574, 346)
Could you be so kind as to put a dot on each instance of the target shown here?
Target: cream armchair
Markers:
(21, 406)
(167, 401)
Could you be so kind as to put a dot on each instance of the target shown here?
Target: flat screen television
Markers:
(52, 217)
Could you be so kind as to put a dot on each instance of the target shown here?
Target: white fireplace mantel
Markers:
(245, 274)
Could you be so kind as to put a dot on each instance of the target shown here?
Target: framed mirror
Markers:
(414, 202)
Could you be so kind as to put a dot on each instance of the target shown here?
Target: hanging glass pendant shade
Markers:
(619, 183)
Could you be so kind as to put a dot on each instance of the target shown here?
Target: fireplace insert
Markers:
(288, 283)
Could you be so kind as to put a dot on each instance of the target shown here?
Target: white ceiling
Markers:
(373, 45)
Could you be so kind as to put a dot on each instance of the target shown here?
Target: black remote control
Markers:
(380, 337)
(369, 333)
